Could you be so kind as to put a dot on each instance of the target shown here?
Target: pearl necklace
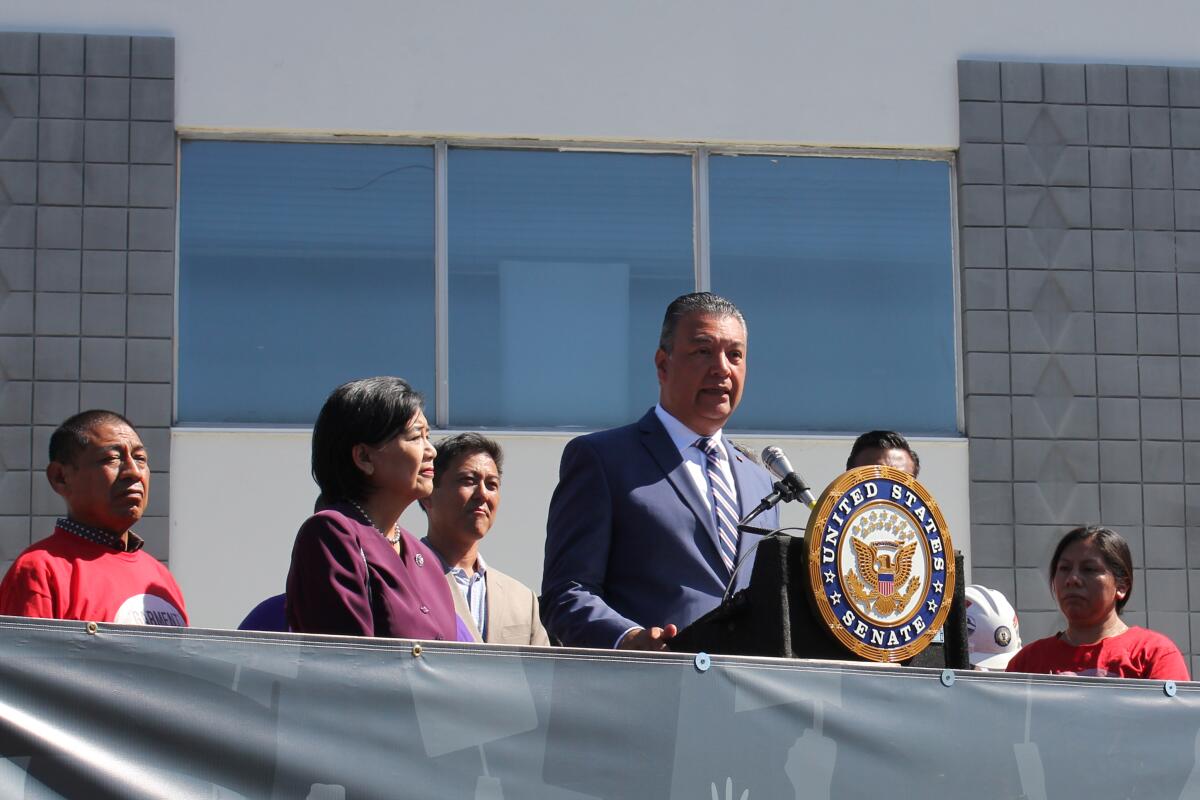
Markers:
(393, 540)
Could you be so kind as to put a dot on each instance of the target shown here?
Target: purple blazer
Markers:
(346, 579)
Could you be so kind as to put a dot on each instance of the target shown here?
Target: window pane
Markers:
(844, 270)
(301, 266)
(561, 265)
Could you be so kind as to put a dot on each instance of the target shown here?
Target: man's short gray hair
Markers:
(695, 303)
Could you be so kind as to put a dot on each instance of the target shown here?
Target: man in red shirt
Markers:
(93, 566)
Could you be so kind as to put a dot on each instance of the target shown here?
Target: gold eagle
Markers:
(870, 562)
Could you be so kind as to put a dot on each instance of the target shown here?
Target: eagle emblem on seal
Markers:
(886, 583)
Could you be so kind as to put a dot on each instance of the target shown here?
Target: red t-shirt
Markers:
(1136, 653)
(67, 577)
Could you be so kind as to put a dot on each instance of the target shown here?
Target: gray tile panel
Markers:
(1189, 334)
(1184, 86)
(1107, 85)
(1021, 81)
(152, 99)
(1148, 86)
(18, 182)
(979, 122)
(16, 358)
(1154, 251)
(59, 184)
(1187, 210)
(1158, 334)
(151, 273)
(987, 373)
(1120, 462)
(60, 97)
(56, 358)
(61, 54)
(18, 53)
(978, 80)
(1154, 209)
(1108, 125)
(151, 315)
(153, 57)
(984, 289)
(151, 229)
(1189, 369)
(991, 546)
(152, 186)
(54, 401)
(1185, 127)
(106, 228)
(151, 143)
(1117, 376)
(106, 185)
(1187, 251)
(148, 403)
(57, 270)
(991, 459)
(981, 248)
(1110, 166)
(17, 226)
(59, 227)
(102, 395)
(1149, 127)
(16, 270)
(19, 94)
(107, 141)
(56, 313)
(1162, 419)
(107, 98)
(103, 314)
(149, 360)
(107, 55)
(1159, 376)
(103, 359)
(1064, 83)
(1162, 462)
(103, 271)
(1113, 250)
(19, 139)
(1152, 169)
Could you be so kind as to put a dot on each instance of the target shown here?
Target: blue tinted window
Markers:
(843, 268)
(561, 265)
(301, 266)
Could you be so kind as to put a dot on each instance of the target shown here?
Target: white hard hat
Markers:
(993, 635)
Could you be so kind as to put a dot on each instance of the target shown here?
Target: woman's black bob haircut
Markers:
(1113, 548)
(367, 411)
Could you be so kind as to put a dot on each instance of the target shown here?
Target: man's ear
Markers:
(56, 474)
(660, 364)
(360, 454)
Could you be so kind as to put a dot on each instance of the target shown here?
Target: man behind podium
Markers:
(641, 536)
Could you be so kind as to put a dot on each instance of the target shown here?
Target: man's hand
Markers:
(648, 638)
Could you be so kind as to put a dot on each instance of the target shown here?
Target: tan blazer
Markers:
(512, 611)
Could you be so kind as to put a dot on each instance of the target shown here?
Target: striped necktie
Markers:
(723, 501)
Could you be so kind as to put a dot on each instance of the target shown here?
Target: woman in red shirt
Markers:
(1091, 576)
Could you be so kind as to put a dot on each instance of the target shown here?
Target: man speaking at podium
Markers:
(642, 533)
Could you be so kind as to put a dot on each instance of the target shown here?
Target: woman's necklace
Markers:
(394, 539)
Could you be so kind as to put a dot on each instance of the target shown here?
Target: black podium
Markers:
(774, 616)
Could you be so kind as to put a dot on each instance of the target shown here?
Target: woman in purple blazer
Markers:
(354, 570)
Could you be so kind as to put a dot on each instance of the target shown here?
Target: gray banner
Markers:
(131, 712)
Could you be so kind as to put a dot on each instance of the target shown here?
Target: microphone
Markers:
(789, 487)
(781, 468)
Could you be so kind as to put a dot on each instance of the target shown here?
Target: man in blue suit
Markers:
(641, 536)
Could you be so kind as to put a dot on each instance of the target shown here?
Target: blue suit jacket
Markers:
(629, 540)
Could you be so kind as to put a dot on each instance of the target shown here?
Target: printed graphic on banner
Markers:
(881, 563)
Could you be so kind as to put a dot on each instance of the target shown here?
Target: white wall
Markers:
(873, 72)
(237, 498)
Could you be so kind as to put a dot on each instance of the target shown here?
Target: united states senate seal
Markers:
(881, 563)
